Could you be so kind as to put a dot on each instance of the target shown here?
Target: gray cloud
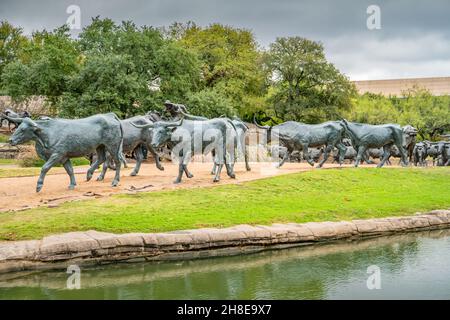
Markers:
(413, 40)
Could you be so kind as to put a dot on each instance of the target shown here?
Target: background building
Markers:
(438, 86)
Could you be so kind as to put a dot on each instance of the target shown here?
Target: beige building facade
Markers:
(438, 86)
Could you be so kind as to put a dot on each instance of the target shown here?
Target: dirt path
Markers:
(19, 193)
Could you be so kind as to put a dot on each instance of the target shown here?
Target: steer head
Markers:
(433, 148)
(421, 149)
(409, 135)
(446, 148)
(162, 132)
(27, 130)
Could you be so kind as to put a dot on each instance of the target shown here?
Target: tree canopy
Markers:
(305, 86)
(215, 70)
(417, 107)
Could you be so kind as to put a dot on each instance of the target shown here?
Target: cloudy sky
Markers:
(414, 39)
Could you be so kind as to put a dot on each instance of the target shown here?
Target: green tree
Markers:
(210, 103)
(11, 43)
(306, 87)
(177, 70)
(417, 107)
(162, 68)
(142, 44)
(429, 114)
(105, 83)
(373, 109)
(44, 67)
(231, 62)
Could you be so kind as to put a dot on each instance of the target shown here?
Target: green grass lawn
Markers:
(8, 161)
(19, 172)
(34, 169)
(318, 195)
(3, 138)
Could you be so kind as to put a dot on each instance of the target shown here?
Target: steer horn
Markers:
(163, 123)
(144, 126)
(15, 120)
(172, 123)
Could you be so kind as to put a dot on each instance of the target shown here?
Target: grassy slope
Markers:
(8, 161)
(20, 172)
(3, 137)
(317, 195)
(35, 169)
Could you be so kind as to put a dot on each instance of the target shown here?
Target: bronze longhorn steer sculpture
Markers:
(420, 154)
(435, 150)
(446, 154)
(366, 136)
(186, 137)
(350, 154)
(9, 115)
(409, 136)
(409, 139)
(179, 111)
(296, 136)
(59, 140)
(134, 140)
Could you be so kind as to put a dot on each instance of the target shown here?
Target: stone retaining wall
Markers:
(93, 247)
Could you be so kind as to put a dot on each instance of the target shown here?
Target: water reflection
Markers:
(414, 265)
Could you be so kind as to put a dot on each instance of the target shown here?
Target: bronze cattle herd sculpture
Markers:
(105, 139)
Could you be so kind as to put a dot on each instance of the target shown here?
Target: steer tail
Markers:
(344, 123)
(268, 128)
(260, 126)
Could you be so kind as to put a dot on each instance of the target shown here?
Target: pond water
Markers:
(412, 266)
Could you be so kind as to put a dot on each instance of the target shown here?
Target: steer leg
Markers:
(54, 159)
(325, 156)
(106, 165)
(69, 169)
(229, 164)
(230, 171)
(386, 155)
(342, 150)
(246, 156)
(219, 170)
(214, 168)
(181, 167)
(139, 157)
(180, 173)
(118, 163)
(403, 155)
(101, 157)
(306, 154)
(360, 155)
(186, 172)
(366, 157)
(101, 177)
(229, 159)
(155, 156)
(285, 157)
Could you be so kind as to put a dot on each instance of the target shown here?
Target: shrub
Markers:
(210, 103)
(29, 158)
